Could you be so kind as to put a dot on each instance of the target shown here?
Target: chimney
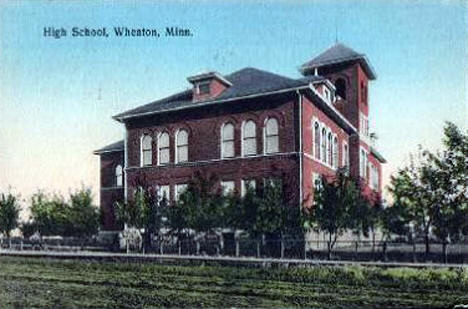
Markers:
(208, 85)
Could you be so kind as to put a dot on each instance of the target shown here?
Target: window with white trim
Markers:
(249, 138)
(363, 124)
(203, 88)
(246, 184)
(345, 155)
(327, 94)
(227, 187)
(335, 152)
(316, 181)
(164, 192)
(182, 146)
(146, 150)
(118, 176)
(323, 145)
(363, 163)
(227, 140)
(329, 149)
(317, 140)
(163, 149)
(271, 136)
(374, 177)
(179, 189)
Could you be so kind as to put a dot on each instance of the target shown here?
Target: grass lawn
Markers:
(47, 283)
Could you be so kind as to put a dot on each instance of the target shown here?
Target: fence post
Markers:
(198, 247)
(414, 252)
(356, 250)
(237, 247)
(179, 246)
(305, 249)
(258, 248)
(328, 250)
(384, 251)
(444, 251)
(282, 247)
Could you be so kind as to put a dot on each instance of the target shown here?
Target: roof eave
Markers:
(100, 152)
(377, 155)
(361, 58)
(123, 118)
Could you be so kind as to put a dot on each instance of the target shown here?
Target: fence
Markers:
(269, 248)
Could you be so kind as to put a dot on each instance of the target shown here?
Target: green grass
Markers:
(47, 283)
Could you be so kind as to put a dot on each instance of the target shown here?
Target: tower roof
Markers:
(338, 53)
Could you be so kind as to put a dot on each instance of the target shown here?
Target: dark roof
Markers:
(245, 82)
(338, 53)
(117, 146)
(378, 156)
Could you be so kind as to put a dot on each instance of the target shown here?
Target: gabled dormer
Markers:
(207, 86)
(326, 89)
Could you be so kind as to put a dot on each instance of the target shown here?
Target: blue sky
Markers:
(57, 96)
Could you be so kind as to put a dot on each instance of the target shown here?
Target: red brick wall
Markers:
(109, 192)
(204, 127)
(285, 167)
(310, 166)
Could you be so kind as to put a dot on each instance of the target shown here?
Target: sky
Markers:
(57, 96)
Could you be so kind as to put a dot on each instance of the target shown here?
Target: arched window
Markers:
(323, 145)
(249, 138)
(329, 149)
(345, 155)
(163, 149)
(340, 85)
(118, 176)
(335, 152)
(227, 141)
(271, 136)
(146, 150)
(317, 140)
(182, 146)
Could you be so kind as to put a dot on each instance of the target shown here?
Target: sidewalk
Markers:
(220, 260)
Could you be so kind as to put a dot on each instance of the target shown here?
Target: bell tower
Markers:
(351, 73)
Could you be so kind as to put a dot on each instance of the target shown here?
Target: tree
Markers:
(434, 191)
(394, 220)
(52, 215)
(333, 207)
(84, 215)
(9, 213)
(448, 170)
(203, 207)
(415, 195)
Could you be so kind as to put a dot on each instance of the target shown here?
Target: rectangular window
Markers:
(203, 88)
(316, 181)
(228, 187)
(363, 164)
(179, 189)
(272, 144)
(345, 155)
(164, 155)
(250, 146)
(246, 184)
(182, 153)
(164, 192)
(374, 176)
(363, 124)
(228, 149)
